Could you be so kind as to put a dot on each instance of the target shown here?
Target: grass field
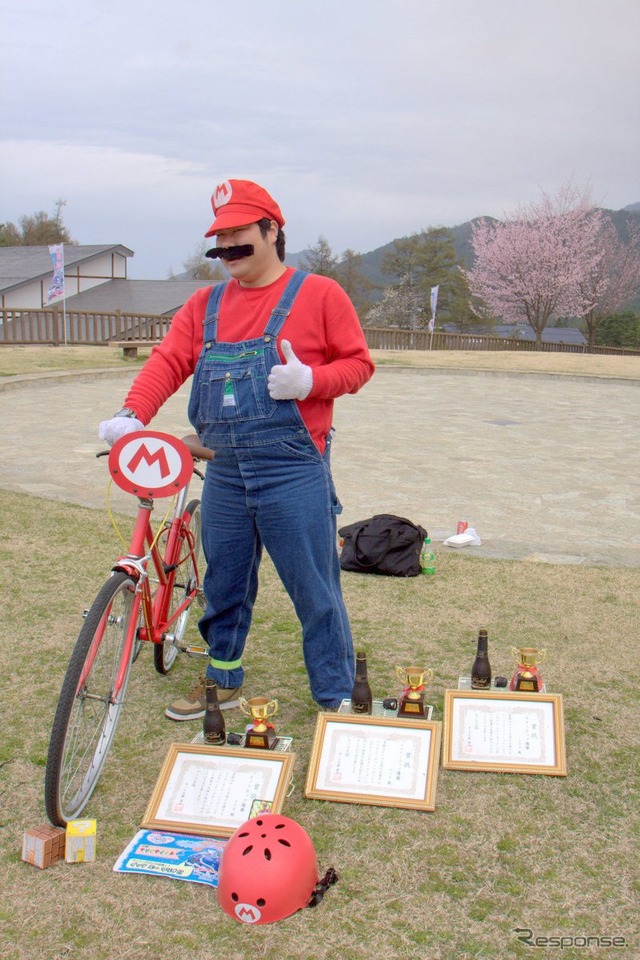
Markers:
(502, 852)
(15, 361)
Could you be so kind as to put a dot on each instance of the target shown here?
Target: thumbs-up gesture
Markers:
(292, 380)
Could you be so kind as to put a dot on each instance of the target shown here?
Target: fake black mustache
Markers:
(231, 253)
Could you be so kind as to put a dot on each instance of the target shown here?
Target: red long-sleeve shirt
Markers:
(322, 327)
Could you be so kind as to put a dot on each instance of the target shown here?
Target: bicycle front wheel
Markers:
(186, 580)
(91, 700)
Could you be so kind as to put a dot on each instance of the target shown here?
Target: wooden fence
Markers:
(97, 329)
(78, 327)
(384, 338)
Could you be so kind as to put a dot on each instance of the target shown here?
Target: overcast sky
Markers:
(366, 119)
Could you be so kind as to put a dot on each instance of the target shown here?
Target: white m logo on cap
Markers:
(222, 194)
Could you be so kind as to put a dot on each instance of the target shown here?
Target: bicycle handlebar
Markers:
(198, 452)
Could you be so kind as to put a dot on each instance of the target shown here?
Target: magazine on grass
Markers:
(178, 856)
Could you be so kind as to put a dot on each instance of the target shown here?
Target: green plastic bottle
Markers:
(427, 558)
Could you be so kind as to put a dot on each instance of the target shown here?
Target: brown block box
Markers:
(43, 846)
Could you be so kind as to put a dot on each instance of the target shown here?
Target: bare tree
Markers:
(36, 229)
(199, 268)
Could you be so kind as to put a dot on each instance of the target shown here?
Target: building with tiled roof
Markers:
(95, 280)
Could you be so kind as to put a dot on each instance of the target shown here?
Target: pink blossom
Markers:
(532, 266)
(615, 279)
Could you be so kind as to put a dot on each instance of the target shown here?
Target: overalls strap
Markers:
(210, 332)
(278, 315)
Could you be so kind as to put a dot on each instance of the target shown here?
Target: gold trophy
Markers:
(527, 678)
(415, 680)
(262, 733)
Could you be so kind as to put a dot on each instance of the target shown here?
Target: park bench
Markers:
(130, 347)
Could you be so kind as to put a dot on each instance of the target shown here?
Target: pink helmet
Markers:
(268, 870)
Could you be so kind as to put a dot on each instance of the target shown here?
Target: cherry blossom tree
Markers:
(532, 266)
(400, 307)
(615, 279)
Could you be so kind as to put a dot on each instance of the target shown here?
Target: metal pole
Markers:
(64, 298)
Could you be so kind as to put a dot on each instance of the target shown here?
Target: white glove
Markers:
(112, 430)
(293, 381)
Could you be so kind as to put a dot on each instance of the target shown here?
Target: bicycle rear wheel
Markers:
(186, 579)
(91, 700)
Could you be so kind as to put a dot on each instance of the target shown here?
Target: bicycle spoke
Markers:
(89, 708)
(183, 580)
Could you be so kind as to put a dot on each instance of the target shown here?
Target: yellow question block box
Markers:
(80, 841)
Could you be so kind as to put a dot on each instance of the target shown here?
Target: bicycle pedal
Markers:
(195, 651)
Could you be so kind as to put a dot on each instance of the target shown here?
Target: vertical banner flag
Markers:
(57, 284)
(434, 303)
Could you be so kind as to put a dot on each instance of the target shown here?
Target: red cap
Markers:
(237, 203)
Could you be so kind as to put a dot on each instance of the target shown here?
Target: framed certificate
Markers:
(504, 733)
(374, 760)
(210, 791)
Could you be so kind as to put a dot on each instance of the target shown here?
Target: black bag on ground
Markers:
(384, 544)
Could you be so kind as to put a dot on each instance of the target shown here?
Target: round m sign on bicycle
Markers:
(150, 464)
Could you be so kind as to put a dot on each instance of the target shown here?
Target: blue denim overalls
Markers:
(268, 485)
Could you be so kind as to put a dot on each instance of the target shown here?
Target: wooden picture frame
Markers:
(504, 732)
(387, 762)
(211, 791)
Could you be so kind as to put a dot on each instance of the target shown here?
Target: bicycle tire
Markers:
(87, 715)
(165, 653)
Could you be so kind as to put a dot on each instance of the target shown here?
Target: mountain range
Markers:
(370, 263)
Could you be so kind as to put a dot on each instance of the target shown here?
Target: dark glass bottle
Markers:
(213, 722)
(481, 669)
(361, 699)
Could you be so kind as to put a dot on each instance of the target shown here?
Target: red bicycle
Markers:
(146, 599)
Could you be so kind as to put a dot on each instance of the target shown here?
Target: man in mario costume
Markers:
(270, 349)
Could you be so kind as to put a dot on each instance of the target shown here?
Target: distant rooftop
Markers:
(156, 297)
(98, 272)
(20, 265)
